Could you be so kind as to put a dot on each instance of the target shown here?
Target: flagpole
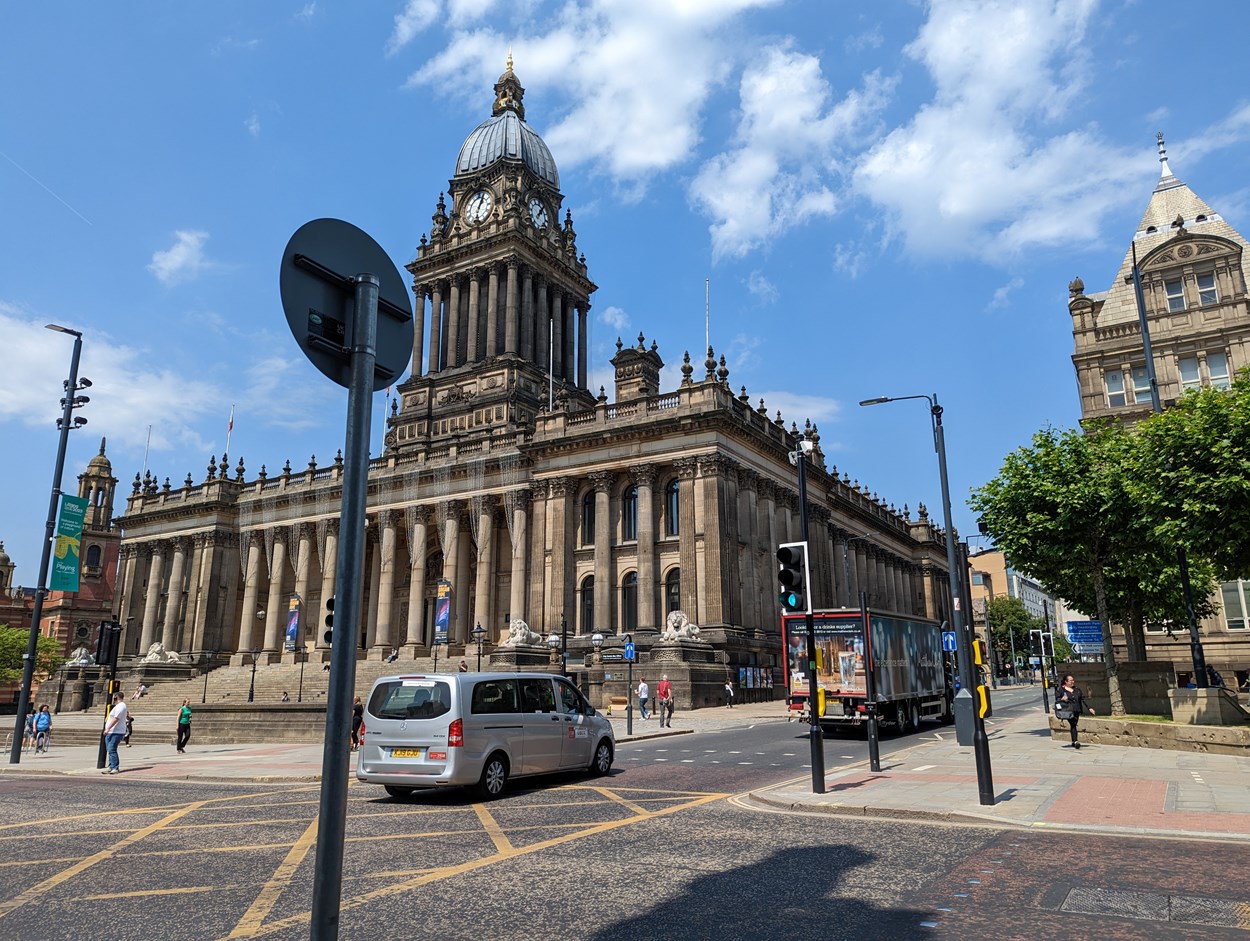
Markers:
(229, 430)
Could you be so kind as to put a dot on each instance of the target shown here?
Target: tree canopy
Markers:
(13, 643)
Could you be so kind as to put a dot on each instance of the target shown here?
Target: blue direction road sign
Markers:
(948, 640)
(629, 651)
(1084, 632)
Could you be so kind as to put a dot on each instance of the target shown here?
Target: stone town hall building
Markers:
(503, 473)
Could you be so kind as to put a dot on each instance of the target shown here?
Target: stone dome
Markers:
(4, 556)
(100, 464)
(506, 136)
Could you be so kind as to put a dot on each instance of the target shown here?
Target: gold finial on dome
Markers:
(509, 60)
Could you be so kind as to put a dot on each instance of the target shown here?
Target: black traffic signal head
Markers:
(1035, 643)
(792, 576)
(1048, 644)
(329, 634)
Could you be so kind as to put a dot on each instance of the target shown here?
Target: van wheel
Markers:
(399, 792)
(602, 762)
(494, 777)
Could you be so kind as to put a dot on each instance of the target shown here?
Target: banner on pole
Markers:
(292, 624)
(68, 544)
(442, 611)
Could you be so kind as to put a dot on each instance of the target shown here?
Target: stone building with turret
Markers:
(534, 496)
(1192, 266)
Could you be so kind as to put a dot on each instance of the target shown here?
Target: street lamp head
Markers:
(879, 400)
(553, 640)
(59, 329)
(596, 640)
(84, 383)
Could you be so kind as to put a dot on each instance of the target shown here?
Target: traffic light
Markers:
(792, 574)
(1048, 644)
(1035, 643)
(979, 657)
(329, 634)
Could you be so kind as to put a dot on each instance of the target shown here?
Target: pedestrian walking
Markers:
(729, 693)
(464, 667)
(1069, 704)
(114, 731)
(43, 729)
(130, 727)
(28, 737)
(664, 700)
(358, 719)
(644, 694)
(184, 726)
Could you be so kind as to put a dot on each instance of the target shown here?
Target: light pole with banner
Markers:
(67, 421)
(963, 699)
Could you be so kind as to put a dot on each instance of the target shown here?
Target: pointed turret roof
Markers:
(1171, 202)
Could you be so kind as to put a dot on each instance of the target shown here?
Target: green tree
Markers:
(13, 643)
(1010, 623)
(1193, 474)
(1062, 510)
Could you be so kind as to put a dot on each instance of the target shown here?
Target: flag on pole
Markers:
(229, 429)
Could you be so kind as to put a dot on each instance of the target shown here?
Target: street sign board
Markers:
(629, 651)
(948, 640)
(317, 284)
(1084, 632)
(1087, 648)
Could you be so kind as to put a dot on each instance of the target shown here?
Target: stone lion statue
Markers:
(158, 654)
(679, 627)
(519, 633)
(81, 655)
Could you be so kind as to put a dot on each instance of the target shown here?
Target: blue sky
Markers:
(887, 198)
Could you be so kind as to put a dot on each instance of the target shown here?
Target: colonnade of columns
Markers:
(539, 320)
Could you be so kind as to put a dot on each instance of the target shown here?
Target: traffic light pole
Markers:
(816, 734)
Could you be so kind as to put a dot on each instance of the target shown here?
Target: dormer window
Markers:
(1151, 229)
(1200, 219)
(1176, 294)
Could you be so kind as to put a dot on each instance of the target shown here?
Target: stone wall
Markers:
(1144, 685)
(1211, 739)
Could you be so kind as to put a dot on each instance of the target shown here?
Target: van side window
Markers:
(570, 701)
(494, 696)
(537, 696)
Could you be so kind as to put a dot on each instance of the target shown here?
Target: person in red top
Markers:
(664, 699)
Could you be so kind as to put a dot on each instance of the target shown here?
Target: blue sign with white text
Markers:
(1084, 632)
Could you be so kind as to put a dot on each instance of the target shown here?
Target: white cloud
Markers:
(308, 12)
(415, 18)
(668, 56)
(849, 259)
(783, 172)
(999, 300)
(182, 261)
(253, 124)
(974, 172)
(615, 318)
(761, 287)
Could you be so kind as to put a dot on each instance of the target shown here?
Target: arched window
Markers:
(588, 518)
(93, 557)
(672, 507)
(587, 623)
(672, 591)
(629, 603)
(629, 514)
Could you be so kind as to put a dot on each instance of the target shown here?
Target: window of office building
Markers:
(672, 508)
(629, 514)
(1207, 293)
(1141, 385)
(1176, 294)
(1114, 378)
(629, 602)
(1217, 370)
(1235, 607)
(1188, 366)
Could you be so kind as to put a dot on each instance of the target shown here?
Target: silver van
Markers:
(478, 730)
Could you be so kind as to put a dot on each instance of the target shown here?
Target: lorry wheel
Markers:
(902, 715)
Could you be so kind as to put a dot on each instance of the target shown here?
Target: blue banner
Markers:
(442, 611)
(292, 625)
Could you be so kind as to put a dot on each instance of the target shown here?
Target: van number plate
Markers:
(405, 753)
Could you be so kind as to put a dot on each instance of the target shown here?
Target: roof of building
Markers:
(506, 136)
(1171, 200)
(100, 464)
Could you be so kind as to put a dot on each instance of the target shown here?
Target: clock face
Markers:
(538, 212)
(478, 207)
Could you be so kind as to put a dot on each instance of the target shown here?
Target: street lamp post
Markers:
(980, 743)
(251, 690)
(478, 633)
(561, 640)
(302, 653)
(71, 401)
(209, 656)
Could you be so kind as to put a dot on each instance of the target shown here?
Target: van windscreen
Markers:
(410, 699)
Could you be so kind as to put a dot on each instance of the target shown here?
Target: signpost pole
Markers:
(870, 688)
(328, 873)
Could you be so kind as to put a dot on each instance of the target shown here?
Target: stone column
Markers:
(542, 324)
(557, 338)
(520, 533)
(384, 637)
(583, 309)
(275, 610)
(537, 601)
(475, 306)
(329, 565)
(418, 535)
(561, 551)
(464, 559)
(492, 312)
(303, 565)
(750, 595)
(173, 599)
(511, 312)
(455, 314)
(527, 315)
(373, 548)
(644, 480)
(152, 598)
(418, 333)
(436, 327)
(451, 559)
(130, 556)
(604, 586)
(485, 575)
(686, 471)
(192, 637)
(251, 578)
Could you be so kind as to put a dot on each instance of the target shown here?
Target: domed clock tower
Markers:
(502, 293)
